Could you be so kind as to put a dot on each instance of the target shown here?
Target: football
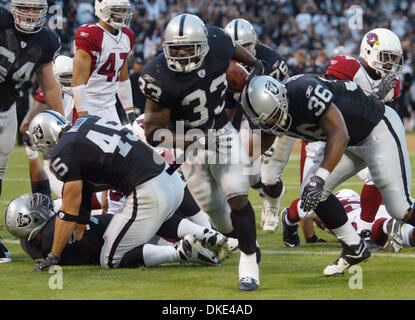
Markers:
(236, 76)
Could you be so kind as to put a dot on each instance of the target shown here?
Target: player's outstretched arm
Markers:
(65, 223)
(50, 87)
(335, 129)
(81, 68)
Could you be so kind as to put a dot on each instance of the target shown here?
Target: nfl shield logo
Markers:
(201, 73)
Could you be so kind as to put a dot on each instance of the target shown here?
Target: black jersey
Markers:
(104, 155)
(20, 56)
(309, 98)
(197, 98)
(85, 251)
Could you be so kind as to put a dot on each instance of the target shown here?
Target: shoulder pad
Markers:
(6, 18)
(89, 37)
(343, 67)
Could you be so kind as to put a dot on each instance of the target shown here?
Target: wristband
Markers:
(79, 96)
(322, 173)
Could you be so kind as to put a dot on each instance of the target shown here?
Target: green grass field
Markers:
(284, 273)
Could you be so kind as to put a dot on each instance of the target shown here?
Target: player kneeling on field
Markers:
(96, 154)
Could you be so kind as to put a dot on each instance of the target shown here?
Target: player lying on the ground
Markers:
(31, 217)
(359, 131)
(386, 232)
(96, 154)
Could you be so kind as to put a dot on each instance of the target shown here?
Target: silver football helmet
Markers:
(243, 33)
(265, 101)
(29, 15)
(27, 214)
(185, 33)
(45, 130)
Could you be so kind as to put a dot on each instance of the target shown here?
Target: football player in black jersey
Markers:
(186, 85)
(359, 131)
(96, 154)
(32, 218)
(26, 47)
(267, 180)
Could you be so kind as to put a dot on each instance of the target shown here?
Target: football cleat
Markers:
(216, 242)
(233, 244)
(190, 250)
(289, 233)
(366, 235)
(395, 236)
(350, 256)
(248, 284)
(5, 256)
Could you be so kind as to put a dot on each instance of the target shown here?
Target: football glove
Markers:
(312, 193)
(387, 84)
(257, 69)
(31, 149)
(131, 117)
(50, 260)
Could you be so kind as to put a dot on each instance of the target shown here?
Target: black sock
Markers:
(1, 182)
(411, 220)
(331, 212)
(133, 258)
(188, 207)
(169, 228)
(243, 222)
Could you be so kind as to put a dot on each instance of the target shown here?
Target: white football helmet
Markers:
(26, 215)
(117, 13)
(29, 15)
(63, 71)
(185, 31)
(243, 33)
(382, 50)
(265, 101)
(45, 130)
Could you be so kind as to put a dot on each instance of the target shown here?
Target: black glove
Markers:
(27, 140)
(131, 117)
(50, 260)
(314, 239)
(312, 193)
(387, 84)
(257, 69)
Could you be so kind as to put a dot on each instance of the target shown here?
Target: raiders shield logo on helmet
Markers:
(38, 132)
(23, 220)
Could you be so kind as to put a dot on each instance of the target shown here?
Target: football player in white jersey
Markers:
(100, 66)
(375, 71)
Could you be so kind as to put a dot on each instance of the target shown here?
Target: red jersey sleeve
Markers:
(39, 96)
(397, 89)
(130, 35)
(89, 38)
(343, 67)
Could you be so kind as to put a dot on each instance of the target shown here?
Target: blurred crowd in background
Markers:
(307, 32)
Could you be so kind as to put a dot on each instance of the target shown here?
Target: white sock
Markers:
(363, 225)
(248, 266)
(407, 230)
(155, 255)
(385, 230)
(201, 218)
(188, 227)
(347, 234)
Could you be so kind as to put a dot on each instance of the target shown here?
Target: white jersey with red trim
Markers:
(68, 105)
(108, 53)
(349, 68)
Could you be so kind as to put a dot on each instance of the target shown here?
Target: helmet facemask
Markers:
(65, 82)
(388, 62)
(29, 17)
(117, 16)
(195, 54)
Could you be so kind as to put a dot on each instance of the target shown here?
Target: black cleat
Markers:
(289, 233)
(350, 256)
(366, 236)
(248, 284)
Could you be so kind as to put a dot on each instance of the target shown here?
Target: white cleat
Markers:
(270, 208)
(190, 250)
(395, 235)
(216, 242)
